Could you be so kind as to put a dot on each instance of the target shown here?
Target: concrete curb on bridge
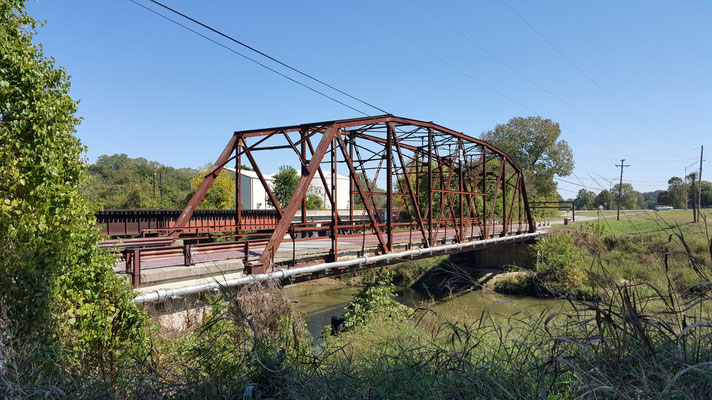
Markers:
(291, 273)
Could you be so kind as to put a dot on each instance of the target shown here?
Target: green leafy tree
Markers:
(674, 196)
(706, 194)
(285, 183)
(630, 198)
(58, 287)
(694, 187)
(652, 198)
(222, 192)
(533, 143)
(314, 202)
(585, 200)
(605, 198)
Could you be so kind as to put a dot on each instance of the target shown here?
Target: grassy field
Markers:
(643, 221)
(635, 248)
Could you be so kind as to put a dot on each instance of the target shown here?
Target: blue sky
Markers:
(149, 88)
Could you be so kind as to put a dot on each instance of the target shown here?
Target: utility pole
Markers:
(694, 209)
(160, 181)
(699, 184)
(154, 185)
(687, 196)
(620, 188)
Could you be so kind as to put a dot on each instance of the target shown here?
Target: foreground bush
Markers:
(560, 264)
(68, 312)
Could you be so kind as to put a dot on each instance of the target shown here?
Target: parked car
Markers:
(662, 208)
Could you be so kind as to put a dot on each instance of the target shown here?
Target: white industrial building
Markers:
(253, 195)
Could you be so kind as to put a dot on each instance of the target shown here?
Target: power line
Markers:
(256, 61)
(270, 57)
(526, 77)
(580, 70)
(487, 86)
(479, 82)
(575, 184)
(567, 190)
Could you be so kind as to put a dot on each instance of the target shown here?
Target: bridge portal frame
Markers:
(472, 187)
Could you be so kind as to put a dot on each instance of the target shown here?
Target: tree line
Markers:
(121, 182)
(680, 193)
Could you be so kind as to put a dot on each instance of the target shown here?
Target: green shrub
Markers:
(59, 289)
(560, 265)
(521, 283)
(375, 299)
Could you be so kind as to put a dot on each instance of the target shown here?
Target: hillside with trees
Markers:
(118, 181)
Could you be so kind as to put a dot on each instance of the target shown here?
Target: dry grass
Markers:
(263, 305)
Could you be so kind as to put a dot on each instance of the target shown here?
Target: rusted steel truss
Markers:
(411, 184)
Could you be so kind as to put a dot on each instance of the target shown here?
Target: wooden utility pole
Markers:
(620, 188)
(694, 200)
(699, 184)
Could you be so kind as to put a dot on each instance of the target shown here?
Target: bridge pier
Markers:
(469, 270)
(519, 254)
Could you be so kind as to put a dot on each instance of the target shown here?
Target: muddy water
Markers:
(320, 303)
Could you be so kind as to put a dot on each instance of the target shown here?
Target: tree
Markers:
(285, 184)
(605, 199)
(59, 289)
(706, 194)
(630, 198)
(585, 200)
(222, 192)
(674, 196)
(533, 143)
(652, 198)
(314, 202)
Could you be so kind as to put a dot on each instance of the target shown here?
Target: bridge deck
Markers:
(292, 253)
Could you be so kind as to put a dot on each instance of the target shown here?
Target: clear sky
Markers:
(642, 90)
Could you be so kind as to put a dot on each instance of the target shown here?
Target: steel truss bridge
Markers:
(412, 185)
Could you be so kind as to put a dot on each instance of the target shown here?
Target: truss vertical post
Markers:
(390, 128)
(460, 156)
(496, 194)
(430, 186)
(527, 209)
(504, 198)
(519, 210)
(351, 182)
(484, 191)
(238, 191)
(416, 160)
(334, 204)
(303, 150)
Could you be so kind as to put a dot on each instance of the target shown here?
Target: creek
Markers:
(319, 303)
